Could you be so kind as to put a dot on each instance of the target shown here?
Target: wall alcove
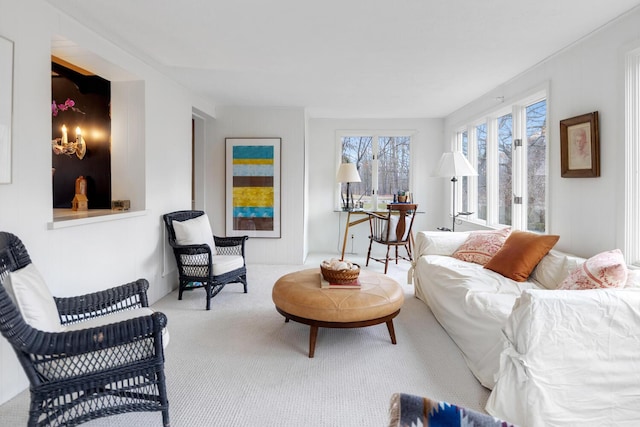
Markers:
(91, 96)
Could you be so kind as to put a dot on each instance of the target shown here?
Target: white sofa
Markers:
(551, 357)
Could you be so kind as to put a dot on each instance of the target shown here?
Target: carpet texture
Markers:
(240, 364)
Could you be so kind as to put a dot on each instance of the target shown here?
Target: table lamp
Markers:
(348, 173)
(454, 164)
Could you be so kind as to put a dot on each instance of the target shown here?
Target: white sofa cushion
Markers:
(31, 294)
(472, 304)
(554, 267)
(571, 358)
(195, 231)
(633, 278)
(439, 242)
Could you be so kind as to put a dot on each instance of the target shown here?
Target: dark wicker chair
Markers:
(195, 262)
(84, 374)
(392, 229)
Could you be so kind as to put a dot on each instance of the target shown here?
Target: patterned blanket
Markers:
(415, 411)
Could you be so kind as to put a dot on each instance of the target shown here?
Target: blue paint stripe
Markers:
(253, 152)
(252, 212)
(252, 170)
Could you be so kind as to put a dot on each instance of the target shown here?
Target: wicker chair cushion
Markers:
(196, 265)
(195, 231)
(31, 294)
(115, 317)
(225, 263)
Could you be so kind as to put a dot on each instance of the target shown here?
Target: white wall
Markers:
(587, 213)
(89, 257)
(326, 227)
(289, 125)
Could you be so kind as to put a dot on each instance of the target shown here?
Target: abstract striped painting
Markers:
(253, 187)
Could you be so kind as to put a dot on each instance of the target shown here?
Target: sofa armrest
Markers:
(570, 357)
(439, 242)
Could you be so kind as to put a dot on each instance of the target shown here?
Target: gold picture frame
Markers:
(580, 146)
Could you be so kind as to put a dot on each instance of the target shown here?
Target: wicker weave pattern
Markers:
(80, 375)
(194, 262)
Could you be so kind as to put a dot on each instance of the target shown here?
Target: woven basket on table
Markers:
(340, 276)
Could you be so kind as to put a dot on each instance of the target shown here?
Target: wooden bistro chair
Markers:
(204, 260)
(392, 229)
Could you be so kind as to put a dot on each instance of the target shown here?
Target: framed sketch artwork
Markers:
(580, 146)
(253, 187)
(6, 102)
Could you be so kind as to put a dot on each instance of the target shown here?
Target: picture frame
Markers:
(253, 187)
(6, 108)
(580, 146)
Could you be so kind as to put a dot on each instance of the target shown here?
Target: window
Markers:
(481, 162)
(465, 181)
(632, 157)
(508, 149)
(383, 160)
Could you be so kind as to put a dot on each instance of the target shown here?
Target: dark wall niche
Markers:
(92, 97)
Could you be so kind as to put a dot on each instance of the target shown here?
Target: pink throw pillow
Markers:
(481, 246)
(605, 270)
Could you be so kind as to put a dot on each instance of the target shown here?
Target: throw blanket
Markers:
(414, 411)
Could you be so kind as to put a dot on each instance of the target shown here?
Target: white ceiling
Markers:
(344, 58)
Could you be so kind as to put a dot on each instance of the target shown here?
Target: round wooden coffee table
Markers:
(299, 297)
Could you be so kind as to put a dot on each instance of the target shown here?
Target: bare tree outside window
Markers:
(465, 179)
(536, 167)
(481, 140)
(505, 166)
(393, 166)
(499, 177)
(358, 150)
(387, 157)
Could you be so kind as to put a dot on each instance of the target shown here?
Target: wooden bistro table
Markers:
(298, 296)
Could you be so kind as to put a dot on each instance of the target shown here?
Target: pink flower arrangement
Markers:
(68, 104)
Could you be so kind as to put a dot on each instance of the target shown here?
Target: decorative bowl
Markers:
(340, 276)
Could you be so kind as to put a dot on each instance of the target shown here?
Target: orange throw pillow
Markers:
(520, 254)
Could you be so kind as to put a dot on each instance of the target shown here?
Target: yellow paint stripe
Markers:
(253, 197)
(252, 161)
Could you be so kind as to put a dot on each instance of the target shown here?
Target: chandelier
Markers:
(64, 146)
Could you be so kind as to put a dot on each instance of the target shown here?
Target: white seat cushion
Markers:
(116, 317)
(226, 263)
(195, 231)
(31, 294)
(195, 266)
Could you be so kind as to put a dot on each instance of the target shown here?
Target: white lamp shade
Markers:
(348, 173)
(454, 164)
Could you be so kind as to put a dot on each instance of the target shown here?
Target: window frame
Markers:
(375, 135)
(632, 155)
(519, 211)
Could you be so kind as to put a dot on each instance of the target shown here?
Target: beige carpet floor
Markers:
(240, 364)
